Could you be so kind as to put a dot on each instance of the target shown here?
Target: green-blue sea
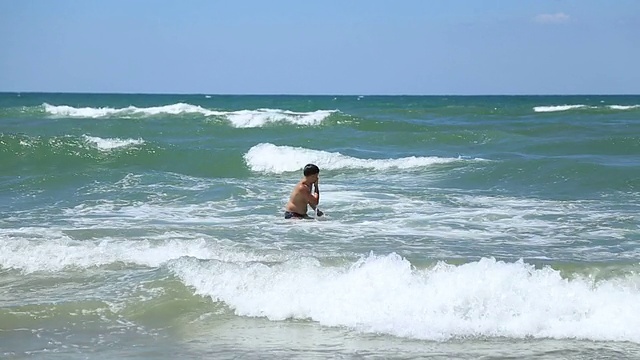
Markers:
(456, 227)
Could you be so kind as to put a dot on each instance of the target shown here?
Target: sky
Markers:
(332, 47)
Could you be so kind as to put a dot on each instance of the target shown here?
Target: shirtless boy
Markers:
(301, 195)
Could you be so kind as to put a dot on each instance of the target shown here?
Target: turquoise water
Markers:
(151, 227)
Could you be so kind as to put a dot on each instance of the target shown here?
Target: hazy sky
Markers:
(321, 47)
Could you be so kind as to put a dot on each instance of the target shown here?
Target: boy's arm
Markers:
(317, 197)
(312, 200)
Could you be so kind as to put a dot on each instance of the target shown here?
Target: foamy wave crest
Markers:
(557, 108)
(575, 107)
(386, 294)
(624, 107)
(261, 117)
(267, 157)
(110, 144)
(131, 111)
(239, 119)
(34, 249)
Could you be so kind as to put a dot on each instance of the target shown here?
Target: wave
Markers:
(32, 250)
(261, 117)
(623, 107)
(40, 155)
(92, 113)
(387, 294)
(374, 294)
(557, 108)
(270, 158)
(111, 143)
(239, 119)
(66, 144)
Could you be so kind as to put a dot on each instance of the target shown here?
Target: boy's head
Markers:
(310, 169)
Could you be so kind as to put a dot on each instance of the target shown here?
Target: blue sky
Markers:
(321, 47)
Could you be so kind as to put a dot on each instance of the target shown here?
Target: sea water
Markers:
(151, 227)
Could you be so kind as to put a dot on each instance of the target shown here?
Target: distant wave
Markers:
(90, 112)
(239, 119)
(624, 107)
(266, 157)
(556, 108)
(110, 144)
(66, 144)
(260, 117)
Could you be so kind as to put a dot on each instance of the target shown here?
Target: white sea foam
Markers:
(90, 112)
(376, 294)
(41, 249)
(572, 107)
(239, 119)
(261, 117)
(110, 144)
(266, 157)
(485, 298)
(557, 108)
(392, 211)
(624, 107)
(386, 294)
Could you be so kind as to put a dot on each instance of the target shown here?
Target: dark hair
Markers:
(310, 169)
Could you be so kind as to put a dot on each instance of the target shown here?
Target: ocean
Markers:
(456, 227)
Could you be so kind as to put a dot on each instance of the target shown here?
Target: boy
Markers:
(301, 195)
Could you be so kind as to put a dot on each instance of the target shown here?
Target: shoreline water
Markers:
(150, 226)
